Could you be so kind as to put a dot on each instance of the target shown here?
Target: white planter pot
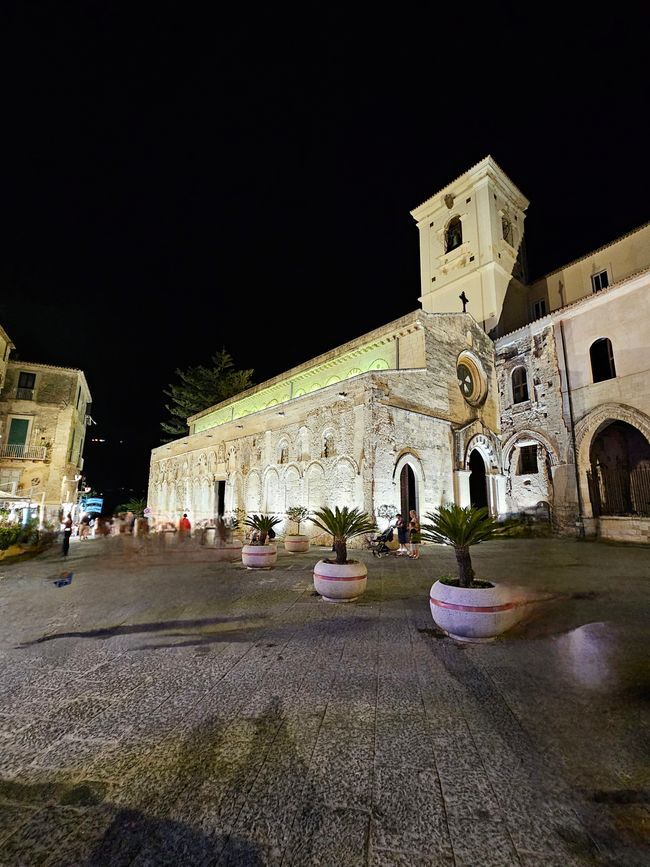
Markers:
(259, 556)
(342, 582)
(296, 544)
(475, 614)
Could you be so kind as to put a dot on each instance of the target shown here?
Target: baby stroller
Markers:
(379, 545)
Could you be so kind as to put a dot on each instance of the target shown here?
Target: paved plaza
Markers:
(166, 708)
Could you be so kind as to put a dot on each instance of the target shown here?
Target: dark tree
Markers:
(199, 388)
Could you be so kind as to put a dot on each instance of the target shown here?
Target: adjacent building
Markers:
(528, 399)
(44, 411)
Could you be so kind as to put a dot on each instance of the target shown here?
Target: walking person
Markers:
(414, 535)
(67, 532)
(402, 534)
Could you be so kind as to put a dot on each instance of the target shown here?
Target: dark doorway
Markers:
(407, 491)
(477, 486)
(221, 497)
(619, 476)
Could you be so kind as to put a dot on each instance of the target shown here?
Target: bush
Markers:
(9, 535)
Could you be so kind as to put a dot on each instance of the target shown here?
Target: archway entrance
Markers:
(619, 475)
(477, 486)
(407, 491)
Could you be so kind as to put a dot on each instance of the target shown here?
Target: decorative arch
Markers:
(333, 380)
(329, 445)
(487, 449)
(272, 500)
(282, 451)
(354, 371)
(253, 492)
(315, 485)
(292, 487)
(549, 444)
(453, 234)
(591, 424)
(408, 456)
(378, 364)
(315, 387)
(343, 475)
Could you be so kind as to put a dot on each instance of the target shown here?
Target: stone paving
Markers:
(168, 709)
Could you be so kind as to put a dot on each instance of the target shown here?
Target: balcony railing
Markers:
(24, 453)
(24, 394)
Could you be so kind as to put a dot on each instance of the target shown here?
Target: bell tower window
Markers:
(453, 234)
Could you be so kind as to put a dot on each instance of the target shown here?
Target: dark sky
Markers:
(176, 182)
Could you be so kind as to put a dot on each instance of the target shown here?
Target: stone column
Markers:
(461, 487)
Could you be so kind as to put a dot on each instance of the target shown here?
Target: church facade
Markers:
(484, 395)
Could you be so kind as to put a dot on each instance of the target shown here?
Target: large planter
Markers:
(259, 556)
(476, 614)
(340, 582)
(296, 544)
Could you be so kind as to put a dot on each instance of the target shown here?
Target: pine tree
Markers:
(199, 388)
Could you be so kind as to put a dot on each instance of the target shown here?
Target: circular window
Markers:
(472, 380)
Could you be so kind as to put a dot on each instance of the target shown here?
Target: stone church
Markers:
(528, 399)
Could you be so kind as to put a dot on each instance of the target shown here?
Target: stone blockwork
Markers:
(536, 424)
(54, 414)
(344, 444)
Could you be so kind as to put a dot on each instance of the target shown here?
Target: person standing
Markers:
(184, 527)
(414, 535)
(67, 532)
(402, 538)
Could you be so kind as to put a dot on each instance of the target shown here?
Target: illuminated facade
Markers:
(43, 415)
(447, 405)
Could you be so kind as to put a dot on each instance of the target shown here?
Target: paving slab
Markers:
(175, 709)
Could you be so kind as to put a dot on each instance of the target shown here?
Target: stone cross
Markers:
(464, 299)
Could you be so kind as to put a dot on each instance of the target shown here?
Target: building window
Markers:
(329, 449)
(539, 308)
(527, 461)
(26, 383)
(506, 230)
(519, 385)
(284, 454)
(602, 360)
(453, 235)
(599, 281)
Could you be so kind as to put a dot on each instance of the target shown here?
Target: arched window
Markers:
(519, 385)
(329, 448)
(602, 360)
(283, 452)
(453, 235)
(506, 230)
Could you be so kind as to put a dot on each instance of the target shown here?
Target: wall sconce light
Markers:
(280, 413)
(343, 394)
(240, 426)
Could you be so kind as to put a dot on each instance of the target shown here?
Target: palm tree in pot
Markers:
(341, 580)
(297, 542)
(259, 554)
(466, 607)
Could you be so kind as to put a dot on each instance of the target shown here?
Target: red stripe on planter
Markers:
(339, 578)
(484, 608)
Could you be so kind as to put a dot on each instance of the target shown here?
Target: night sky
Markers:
(175, 181)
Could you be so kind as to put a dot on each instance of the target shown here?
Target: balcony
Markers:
(24, 394)
(24, 453)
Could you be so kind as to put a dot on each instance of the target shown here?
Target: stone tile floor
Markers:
(169, 709)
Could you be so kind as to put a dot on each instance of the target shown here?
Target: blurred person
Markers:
(67, 532)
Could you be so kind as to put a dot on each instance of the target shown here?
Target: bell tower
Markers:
(471, 236)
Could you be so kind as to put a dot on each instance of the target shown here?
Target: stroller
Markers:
(379, 545)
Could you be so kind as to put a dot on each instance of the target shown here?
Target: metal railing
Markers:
(616, 491)
(24, 394)
(24, 453)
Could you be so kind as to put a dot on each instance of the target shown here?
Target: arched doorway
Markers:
(477, 486)
(619, 475)
(407, 490)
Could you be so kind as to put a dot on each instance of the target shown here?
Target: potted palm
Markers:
(466, 607)
(259, 554)
(341, 580)
(297, 542)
